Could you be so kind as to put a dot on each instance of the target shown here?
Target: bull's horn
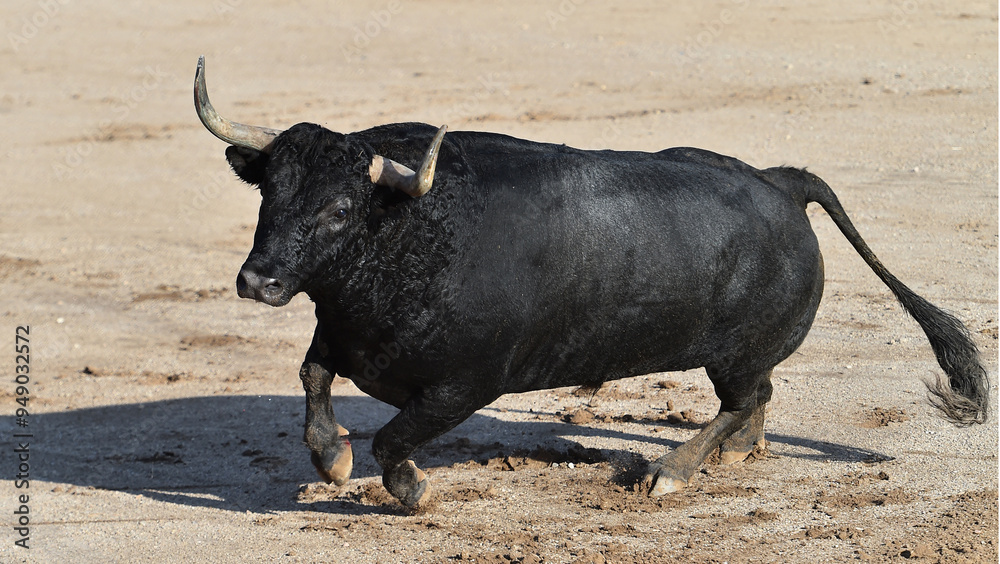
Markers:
(387, 172)
(248, 136)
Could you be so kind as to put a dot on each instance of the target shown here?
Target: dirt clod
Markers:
(579, 416)
(883, 417)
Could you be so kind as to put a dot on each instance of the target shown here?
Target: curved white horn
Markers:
(248, 136)
(387, 172)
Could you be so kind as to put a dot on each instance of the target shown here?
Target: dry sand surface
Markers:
(166, 413)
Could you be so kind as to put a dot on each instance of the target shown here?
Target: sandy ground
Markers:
(166, 413)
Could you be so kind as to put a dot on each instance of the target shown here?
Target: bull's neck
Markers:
(389, 284)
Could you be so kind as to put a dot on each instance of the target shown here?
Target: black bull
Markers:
(530, 266)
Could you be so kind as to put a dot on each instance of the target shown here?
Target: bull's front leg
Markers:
(331, 451)
(426, 416)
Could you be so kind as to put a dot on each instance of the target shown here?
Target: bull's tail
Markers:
(964, 396)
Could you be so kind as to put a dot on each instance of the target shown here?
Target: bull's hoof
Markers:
(661, 479)
(407, 483)
(729, 457)
(731, 452)
(419, 493)
(335, 466)
(660, 485)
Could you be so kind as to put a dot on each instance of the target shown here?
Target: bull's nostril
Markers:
(272, 286)
(250, 284)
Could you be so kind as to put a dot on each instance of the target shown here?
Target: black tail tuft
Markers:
(963, 397)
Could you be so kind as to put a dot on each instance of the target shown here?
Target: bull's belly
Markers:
(755, 338)
(575, 361)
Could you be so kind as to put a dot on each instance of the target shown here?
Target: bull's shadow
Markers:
(244, 453)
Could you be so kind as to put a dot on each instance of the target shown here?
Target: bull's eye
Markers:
(341, 213)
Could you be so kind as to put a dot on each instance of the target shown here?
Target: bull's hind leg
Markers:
(739, 446)
(738, 423)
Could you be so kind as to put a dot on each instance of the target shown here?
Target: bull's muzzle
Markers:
(252, 285)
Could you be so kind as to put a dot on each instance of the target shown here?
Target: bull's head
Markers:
(314, 184)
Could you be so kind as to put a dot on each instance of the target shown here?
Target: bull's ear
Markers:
(248, 164)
